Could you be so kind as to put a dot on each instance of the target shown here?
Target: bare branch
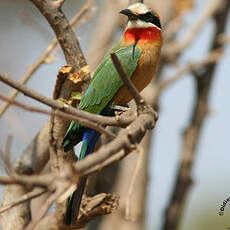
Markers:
(5, 156)
(128, 83)
(99, 205)
(59, 113)
(127, 140)
(24, 198)
(44, 209)
(38, 181)
(61, 106)
(132, 183)
(213, 57)
(224, 39)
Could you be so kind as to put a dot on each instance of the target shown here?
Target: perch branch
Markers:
(59, 113)
(63, 107)
(128, 83)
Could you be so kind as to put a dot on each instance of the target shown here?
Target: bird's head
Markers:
(141, 18)
(140, 15)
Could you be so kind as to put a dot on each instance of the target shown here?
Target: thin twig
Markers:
(61, 106)
(59, 113)
(212, 57)
(24, 198)
(5, 156)
(128, 83)
(132, 183)
(44, 209)
(7, 162)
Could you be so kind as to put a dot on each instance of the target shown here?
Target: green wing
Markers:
(106, 80)
(104, 85)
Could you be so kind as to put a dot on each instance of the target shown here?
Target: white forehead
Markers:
(139, 8)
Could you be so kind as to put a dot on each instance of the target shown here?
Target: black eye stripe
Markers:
(149, 17)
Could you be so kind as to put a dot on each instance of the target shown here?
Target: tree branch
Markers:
(128, 83)
(24, 198)
(93, 207)
(58, 113)
(120, 121)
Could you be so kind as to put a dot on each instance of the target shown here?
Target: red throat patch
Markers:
(145, 34)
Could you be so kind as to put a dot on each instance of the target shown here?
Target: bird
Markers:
(139, 53)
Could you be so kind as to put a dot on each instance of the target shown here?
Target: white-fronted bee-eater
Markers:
(138, 52)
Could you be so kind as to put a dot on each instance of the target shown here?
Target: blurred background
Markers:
(25, 34)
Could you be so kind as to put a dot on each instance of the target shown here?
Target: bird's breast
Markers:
(145, 70)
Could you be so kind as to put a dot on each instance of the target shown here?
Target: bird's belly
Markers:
(141, 77)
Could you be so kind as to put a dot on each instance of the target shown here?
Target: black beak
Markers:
(129, 14)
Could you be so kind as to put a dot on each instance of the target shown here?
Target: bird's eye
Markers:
(146, 17)
(149, 17)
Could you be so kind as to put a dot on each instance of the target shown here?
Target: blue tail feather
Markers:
(90, 138)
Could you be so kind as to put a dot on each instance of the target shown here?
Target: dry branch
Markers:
(24, 198)
(94, 121)
(137, 169)
(45, 207)
(126, 140)
(99, 205)
(58, 113)
(211, 58)
(127, 82)
(5, 156)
